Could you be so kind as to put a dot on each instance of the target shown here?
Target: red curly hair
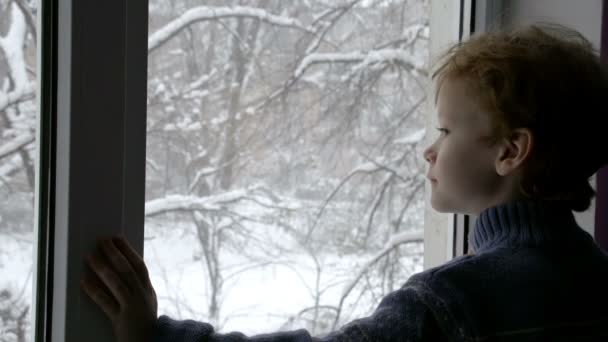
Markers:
(549, 79)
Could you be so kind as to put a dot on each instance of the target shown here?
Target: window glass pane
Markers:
(284, 180)
(18, 109)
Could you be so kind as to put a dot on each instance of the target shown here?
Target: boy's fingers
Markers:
(109, 278)
(134, 259)
(120, 264)
(107, 304)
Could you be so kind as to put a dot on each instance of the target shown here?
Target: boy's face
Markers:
(461, 164)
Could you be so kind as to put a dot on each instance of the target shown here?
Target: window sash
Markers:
(441, 230)
(601, 201)
(94, 96)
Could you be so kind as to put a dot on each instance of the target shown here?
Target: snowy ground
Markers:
(259, 300)
(16, 257)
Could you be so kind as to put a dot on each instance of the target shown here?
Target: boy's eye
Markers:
(442, 130)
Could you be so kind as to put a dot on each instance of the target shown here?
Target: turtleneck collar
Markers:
(521, 223)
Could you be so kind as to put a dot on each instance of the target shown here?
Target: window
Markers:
(284, 176)
(18, 122)
(92, 153)
(269, 140)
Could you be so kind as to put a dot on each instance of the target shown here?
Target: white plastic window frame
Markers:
(445, 235)
(92, 86)
(477, 16)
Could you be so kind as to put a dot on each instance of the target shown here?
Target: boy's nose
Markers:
(429, 154)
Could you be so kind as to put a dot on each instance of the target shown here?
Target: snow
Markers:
(259, 300)
(368, 167)
(272, 289)
(418, 29)
(193, 127)
(177, 52)
(198, 94)
(14, 145)
(412, 138)
(7, 99)
(366, 58)
(208, 13)
(219, 119)
(16, 257)
(12, 44)
(416, 63)
(9, 167)
(403, 56)
(213, 202)
(393, 242)
(180, 202)
(329, 57)
(200, 81)
(250, 111)
(315, 78)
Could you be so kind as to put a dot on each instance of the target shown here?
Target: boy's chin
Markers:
(438, 205)
(443, 207)
(443, 210)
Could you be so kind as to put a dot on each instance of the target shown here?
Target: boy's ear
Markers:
(514, 150)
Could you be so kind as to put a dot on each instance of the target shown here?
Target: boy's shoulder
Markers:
(461, 288)
(472, 275)
(509, 277)
(463, 264)
(484, 293)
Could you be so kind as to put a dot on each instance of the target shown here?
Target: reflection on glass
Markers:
(284, 180)
(17, 156)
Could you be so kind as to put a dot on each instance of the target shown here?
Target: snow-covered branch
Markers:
(12, 45)
(393, 242)
(325, 23)
(209, 13)
(397, 56)
(376, 204)
(412, 138)
(213, 202)
(15, 145)
(30, 19)
(410, 36)
(363, 59)
(368, 168)
(8, 167)
(189, 203)
(20, 94)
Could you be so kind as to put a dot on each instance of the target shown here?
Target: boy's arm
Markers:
(169, 330)
(121, 287)
(401, 316)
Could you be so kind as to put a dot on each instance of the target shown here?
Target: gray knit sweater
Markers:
(535, 276)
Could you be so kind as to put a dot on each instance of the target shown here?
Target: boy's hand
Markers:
(122, 289)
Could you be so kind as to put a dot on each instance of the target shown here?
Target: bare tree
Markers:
(17, 134)
(284, 95)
